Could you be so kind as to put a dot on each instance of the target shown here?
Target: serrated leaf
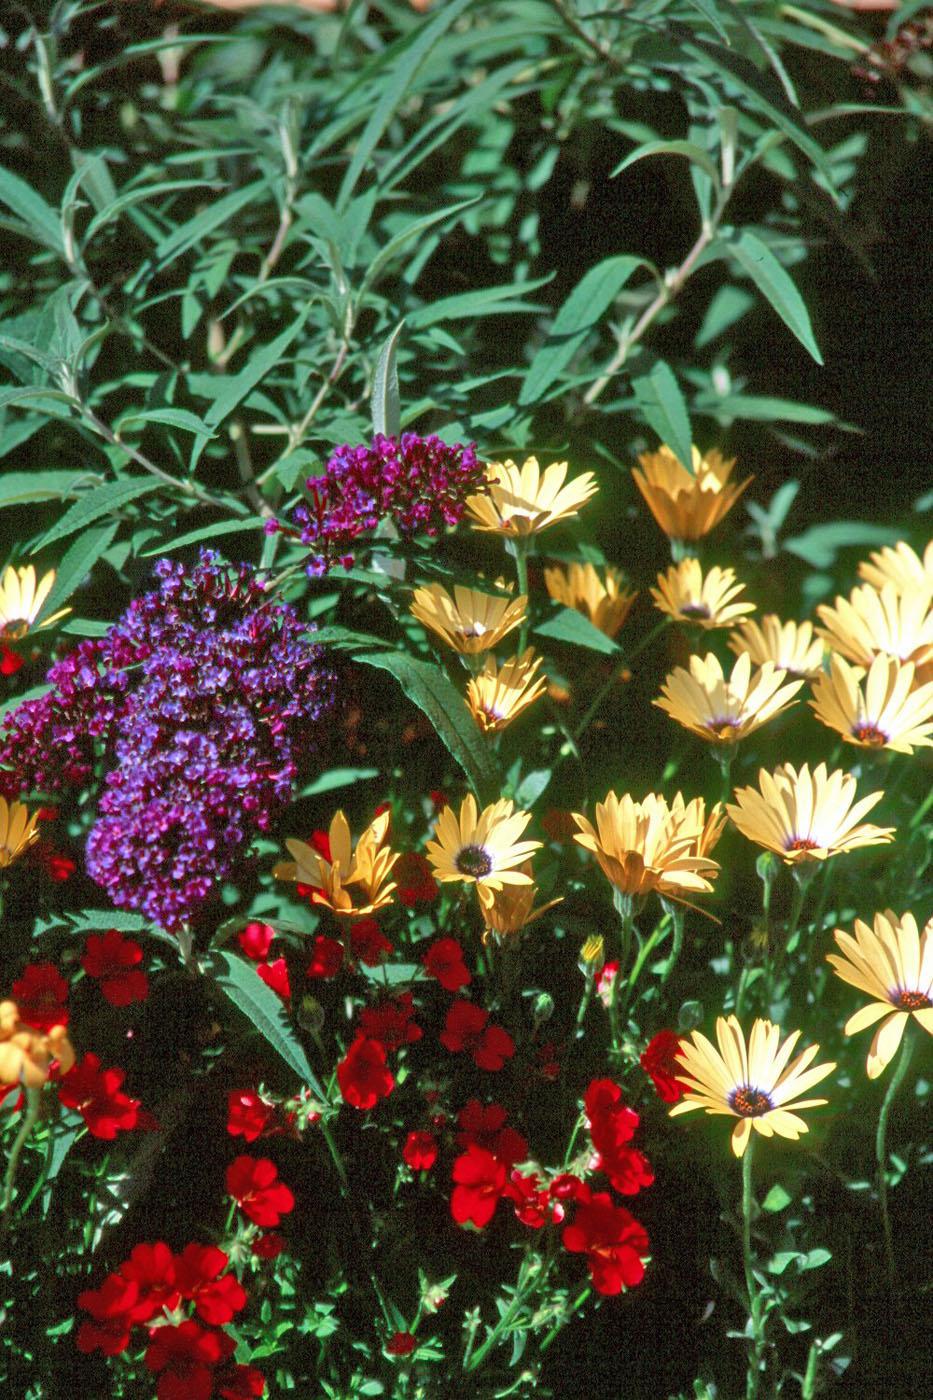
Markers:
(206, 532)
(101, 501)
(19, 488)
(759, 263)
(263, 1008)
(384, 403)
(662, 406)
(568, 625)
(77, 562)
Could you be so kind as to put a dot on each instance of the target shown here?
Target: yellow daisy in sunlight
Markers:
(645, 847)
(901, 566)
(21, 600)
(500, 693)
(893, 963)
(482, 848)
(510, 909)
(18, 830)
(606, 601)
(789, 645)
(758, 1084)
(686, 596)
(805, 816)
(887, 713)
(724, 711)
(687, 507)
(470, 622)
(875, 620)
(353, 882)
(26, 1054)
(524, 500)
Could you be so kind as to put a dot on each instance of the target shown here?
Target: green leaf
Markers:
(385, 406)
(36, 693)
(758, 262)
(129, 198)
(263, 1008)
(776, 1199)
(410, 231)
(234, 389)
(485, 301)
(101, 501)
(206, 532)
(19, 488)
(171, 417)
(77, 563)
(819, 545)
(692, 152)
(568, 625)
(337, 778)
(217, 213)
(728, 305)
(346, 639)
(39, 220)
(663, 408)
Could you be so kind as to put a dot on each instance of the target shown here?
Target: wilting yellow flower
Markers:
(901, 566)
(887, 714)
(470, 622)
(806, 816)
(21, 602)
(686, 596)
(687, 507)
(649, 846)
(871, 621)
(523, 500)
(366, 868)
(500, 693)
(753, 1083)
(790, 645)
(510, 909)
(894, 964)
(482, 848)
(722, 711)
(26, 1055)
(605, 601)
(18, 830)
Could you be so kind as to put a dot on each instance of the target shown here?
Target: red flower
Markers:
(269, 1245)
(254, 1185)
(612, 1126)
(614, 1242)
(111, 1306)
(41, 995)
(152, 1268)
(548, 1064)
(10, 660)
(604, 982)
(320, 840)
(401, 1344)
(485, 1126)
(248, 1115)
(444, 960)
(58, 867)
(480, 1180)
(390, 1022)
(363, 1074)
(198, 1271)
(533, 1202)
(416, 884)
(465, 1029)
(367, 943)
(326, 958)
(97, 1096)
(184, 1358)
(112, 959)
(565, 1187)
(420, 1151)
(256, 940)
(659, 1059)
(239, 1383)
(439, 799)
(275, 975)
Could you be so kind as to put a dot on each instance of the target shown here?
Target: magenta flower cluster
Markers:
(202, 706)
(418, 483)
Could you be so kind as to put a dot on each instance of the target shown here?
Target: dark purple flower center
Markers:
(473, 861)
(748, 1102)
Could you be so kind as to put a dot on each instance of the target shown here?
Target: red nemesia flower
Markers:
(58, 867)
(390, 1022)
(439, 799)
(466, 1029)
(604, 982)
(614, 1242)
(534, 1205)
(41, 994)
(420, 1151)
(269, 1245)
(548, 1064)
(111, 1307)
(480, 1180)
(368, 944)
(565, 1187)
(248, 1115)
(416, 884)
(612, 1126)
(184, 1358)
(363, 1075)
(659, 1059)
(401, 1344)
(254, 1185)
(326, 957)
(484, 1125)
(97, 1096)
(256, 940)
(444, 960)
(152, 1268)
(275, 975)
(198, 1271)
(10, 660)
(239, 1383)
(112, 959)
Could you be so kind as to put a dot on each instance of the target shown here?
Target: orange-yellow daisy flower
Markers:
(901, 566)
(888, 713)
(500, 693)
(21, 600)
(606, 601)
(524, 501)
(724, 711)
(875, 620)
(687, 596)
(789, 645)
(353, 881)
(27, 1055)
(470, 622)
(648, 846)
(687, 507)
(893, 963)
(511, 908)
(804, 816)
(18, 830)
(482, 848)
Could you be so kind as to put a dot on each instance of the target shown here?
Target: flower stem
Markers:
(678, 916)
(565, 1317)
(520, 552)
(471, 1363)
(756, 1358)
(881, 1155)
(33, 1105)
(624, 659)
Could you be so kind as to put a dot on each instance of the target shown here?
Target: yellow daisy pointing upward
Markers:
(804, 816)
(893, 963)
(606, 602)
(724, 711)
(889, 713)
(649, 846)
(524, 501)
(21, 601)
(686, 596)
(18, 830)
(789, 645)
(470, 622)
(870, 621)
(687, 507)
(900, 566)
(499, 694)
(482, 848)
(366, 868)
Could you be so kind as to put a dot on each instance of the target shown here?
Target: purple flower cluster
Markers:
(419, 483)
(204, 703)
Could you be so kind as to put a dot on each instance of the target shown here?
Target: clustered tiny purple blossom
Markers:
(419, 483)
(203, 704)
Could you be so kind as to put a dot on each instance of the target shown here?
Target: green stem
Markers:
(473, 1362)
(754, 1298)
(33, 1107)
(803, 878)
(679, 917)
(562, 1321)
(724, 754)
(881, 1155)
(622, 661)
(520, 553)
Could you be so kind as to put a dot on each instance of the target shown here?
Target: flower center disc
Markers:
(473, 861)
(750, 1103)
(869, 734)
(803, 843)
(695, 610)
(911, 1001)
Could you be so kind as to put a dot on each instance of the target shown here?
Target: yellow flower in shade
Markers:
(789, 645)
(470, 622)
(482, 848)
(804, 816)
(892, 963)
(645, 847)
(366, 868)
(500, 693)
(887, 713)
(21, 602)
(26, 1055)
(605, 601)
(724, 711)
(901, 566)
(757, 1083)
(687, 507)
(874, 620)
(686, 596)
(524, 500)
(18, 830)
(510, 909)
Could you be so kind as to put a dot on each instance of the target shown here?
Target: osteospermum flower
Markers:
(366, 866)
(686, 596)
(511, 909)
(901, 566)
(724, 711)
(21, 600)
(789, 645)
(804, 816)
(470, 622)
(523, 500)
(884, 620)
(605, 600)
(18, 831)
(758, 1084)
(649, 846)
(877, 710)
(482, 848)
(499, 694)
(27, 1055)
(687, 507)
(893, 963)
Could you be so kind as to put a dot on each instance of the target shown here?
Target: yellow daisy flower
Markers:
(649, 846)
(482, 848)
(470, 622)
(18, 830)
(758, 1084)
(887, 714)
(511, 908)
(21, 602)
(687, 507)
(606, 601)
(686, 596)
(721, 711)
(366, 868)
(893, 963)
(524, 501)
(804, 816)
(875, 620)
(499, 694)
(789, 645)
(26, 1055)
(901, 566)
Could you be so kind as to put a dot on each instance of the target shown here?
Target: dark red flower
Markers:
(198, 1271)
(420, 1151)
(659, 1059)
(112, 959)
(111, 1307)
(614, 1242)
(390, 1022)
(401, 1344)
(485, 1126)
(41, 994)
(565, 1187)
(185, 1358)
(237, 1382)
(58, 867)
(534, 1205)
(248, 1115)
(368, 944)
(604, 982)
(269, 1245)
(439, 799)
(10, 660)
(363, 1074)
(152, 1268)
(480, 1180)
(547, 1062)
(612, 1126)
(326, 957)
(416, 884)
(444, 960)
(97, 1096)
(254, 1185)
(256, 940)
(275, 975)
(320, 841)
(466, 1028)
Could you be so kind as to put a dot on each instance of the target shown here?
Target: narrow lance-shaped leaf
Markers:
(758, 262)
(263, 1009)
(663, 408)
(385, 404)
